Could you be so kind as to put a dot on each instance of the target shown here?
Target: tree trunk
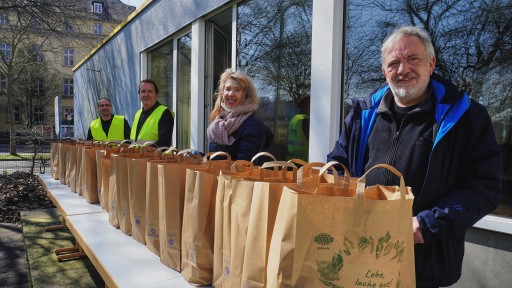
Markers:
(12, 126)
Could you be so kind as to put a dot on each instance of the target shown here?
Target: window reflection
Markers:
(183, 92)
(160, 71)
(275, 50)
(469, 39)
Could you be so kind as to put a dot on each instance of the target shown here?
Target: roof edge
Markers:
(113, 33)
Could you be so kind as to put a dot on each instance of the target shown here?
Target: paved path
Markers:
(13, 260)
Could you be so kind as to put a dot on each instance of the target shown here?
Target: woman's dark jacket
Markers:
(462, 181)
(251, 138)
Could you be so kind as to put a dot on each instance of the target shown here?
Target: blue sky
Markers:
(135, 3)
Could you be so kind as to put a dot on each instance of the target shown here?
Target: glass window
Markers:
(69, 57)
(469, 39)
(160, 71)
(97, 7)
(68, 87)
(97, 28)
(275, 50)
(39, 115)
(4, 20)
(68, 27)
(17, 114)
(3, 84)
(5, 51)
(38, 87)
(182, 123)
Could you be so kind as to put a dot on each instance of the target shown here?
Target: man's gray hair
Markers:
(406, 31)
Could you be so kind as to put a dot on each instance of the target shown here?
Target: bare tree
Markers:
(472, 40)
(38, 24)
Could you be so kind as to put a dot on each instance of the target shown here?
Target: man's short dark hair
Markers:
(148, 81)
(109, 102)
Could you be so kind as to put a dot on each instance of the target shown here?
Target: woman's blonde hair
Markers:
(251, 96)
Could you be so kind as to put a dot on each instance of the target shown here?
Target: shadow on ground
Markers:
(45, 270)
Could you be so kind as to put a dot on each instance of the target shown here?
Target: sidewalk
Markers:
(27, 257)
(13, 262)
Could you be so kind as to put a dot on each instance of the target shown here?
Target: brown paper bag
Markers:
(64, 148)
(89, 179)
(137, 172)
(123, 183)
(171, 198)
(99, 177)
(151, 228)
(232, 214)
(363, 238)
(71, 154)
(54, 160)
(112, 188)
(199, 221)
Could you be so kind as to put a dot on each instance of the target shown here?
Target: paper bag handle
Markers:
(305, 171)
(263, 154)
(283, 164)
(361, 182)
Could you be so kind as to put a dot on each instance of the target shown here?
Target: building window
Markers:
(97, 7)
(68, 27)
(68, 87)
(97, 28)
(38, 87)
(3, 20)
(17, 114)
(37, 54)
(3, 84)
(160, 71)
(183, 92)
(279, 61)
(5, 51)
(69, 57)
(39, 115)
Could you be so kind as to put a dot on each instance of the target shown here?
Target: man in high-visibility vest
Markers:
(298, 131)
(108, 126)
(154, 122)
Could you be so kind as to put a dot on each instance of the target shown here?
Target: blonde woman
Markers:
(234, 128)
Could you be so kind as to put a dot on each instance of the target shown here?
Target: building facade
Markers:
(57, 48)
(319, 52)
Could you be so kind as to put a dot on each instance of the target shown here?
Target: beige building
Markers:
(58, 52)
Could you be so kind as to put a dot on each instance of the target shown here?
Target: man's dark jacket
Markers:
(462, 182)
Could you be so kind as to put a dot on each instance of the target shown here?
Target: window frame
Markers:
(68, 57)
(97, 29)
(6, 50)
(68, 86)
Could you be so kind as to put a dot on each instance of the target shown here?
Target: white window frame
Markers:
(4, 20)
(6, 49)
(97, 28)
(39, 115)
(68, 86)
(69, 57)
(97, 7)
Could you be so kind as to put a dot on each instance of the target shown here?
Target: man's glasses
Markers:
(104, 105)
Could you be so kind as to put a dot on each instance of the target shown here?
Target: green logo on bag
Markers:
(324, 239)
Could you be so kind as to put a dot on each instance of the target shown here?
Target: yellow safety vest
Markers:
(115, 132)
(149, 130)
(298, 143)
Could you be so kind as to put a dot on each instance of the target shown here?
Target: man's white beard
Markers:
(408, 94)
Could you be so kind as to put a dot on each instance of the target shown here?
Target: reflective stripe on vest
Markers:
(149, 130)
(297, 140)
(115, 132)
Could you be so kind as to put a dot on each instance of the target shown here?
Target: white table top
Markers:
(120, 260)
(123, 262)
(68, 203)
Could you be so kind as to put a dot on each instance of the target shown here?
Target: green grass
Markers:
(45, 270)
(23, 156)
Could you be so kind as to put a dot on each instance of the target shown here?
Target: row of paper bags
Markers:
(232, 224)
